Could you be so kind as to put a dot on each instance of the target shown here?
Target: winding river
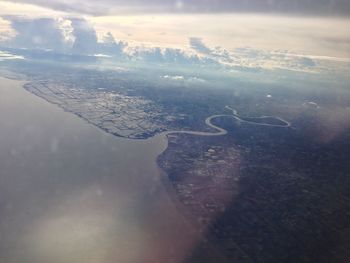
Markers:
(220, 131)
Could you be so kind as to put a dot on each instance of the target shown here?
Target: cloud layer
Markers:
(103, 7)
(41, 33)
(74, 35)
(78, 36)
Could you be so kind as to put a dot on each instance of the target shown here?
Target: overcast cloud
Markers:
(104, 7)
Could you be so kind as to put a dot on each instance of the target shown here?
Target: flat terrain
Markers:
(272, 185)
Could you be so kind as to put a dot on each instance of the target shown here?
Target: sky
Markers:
(107, 7)
(295, 34)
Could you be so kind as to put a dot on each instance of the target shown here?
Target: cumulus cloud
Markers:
(6, 30)
(86, 41)
(74, 35)
(198, 45)
(179, 78)
(172, 56)
(54, 34)
(85, 37)
(43, 33)
(110, 46)
(175, 78)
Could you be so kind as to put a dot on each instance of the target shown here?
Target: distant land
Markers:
(273, 187)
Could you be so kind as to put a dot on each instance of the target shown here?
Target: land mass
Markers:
(263, 189)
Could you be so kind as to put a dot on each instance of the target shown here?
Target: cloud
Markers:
(43, 33)
(182, 79)
(8, 56)
(255, 58)
(198, 45)
(267, 6)
(86, 41)
(56, 34)
(175, 78)
(172, 56)
(6, 30)
(78, 36)
(74, 35)
(85, 37)
(15, 8)
(109, 45)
